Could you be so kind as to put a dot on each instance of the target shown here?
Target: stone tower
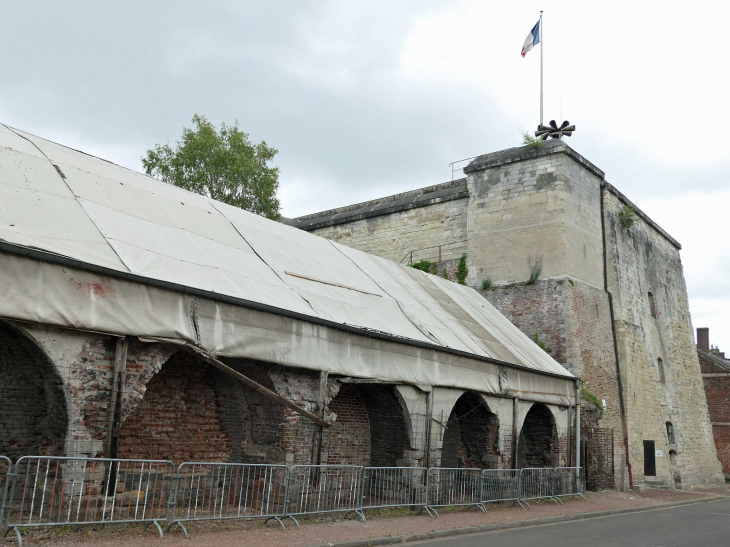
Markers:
(607, 296)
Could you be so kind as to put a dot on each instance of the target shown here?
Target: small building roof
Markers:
(61, 201)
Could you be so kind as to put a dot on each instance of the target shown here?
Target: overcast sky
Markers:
(367, 98)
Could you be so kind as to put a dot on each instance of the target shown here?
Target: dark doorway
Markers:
(471, 438)
(538, 441)
(649, 459)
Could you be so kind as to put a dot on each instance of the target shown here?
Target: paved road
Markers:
(699, 525)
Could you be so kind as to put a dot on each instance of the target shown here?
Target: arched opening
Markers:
(33, 417)
(193, 412)
(538, 442)
(370, 428)
(471, 438)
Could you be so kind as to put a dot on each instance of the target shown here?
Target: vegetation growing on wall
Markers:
(530, 141)
(535, 272)
(541, 343)
(591, 398)
(627, 216)
(486, 284)
(424, 265)
(462, 271)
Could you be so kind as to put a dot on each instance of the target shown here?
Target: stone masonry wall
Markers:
(394, 235)
(641, 261)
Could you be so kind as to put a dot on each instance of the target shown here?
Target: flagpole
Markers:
(540, 67)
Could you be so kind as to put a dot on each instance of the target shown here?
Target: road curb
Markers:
(452, 532)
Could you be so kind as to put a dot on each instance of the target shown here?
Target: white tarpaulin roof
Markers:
(62, 201)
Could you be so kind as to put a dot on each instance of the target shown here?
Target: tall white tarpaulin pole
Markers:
(540, 67)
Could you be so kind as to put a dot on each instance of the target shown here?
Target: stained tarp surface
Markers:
(71, 204)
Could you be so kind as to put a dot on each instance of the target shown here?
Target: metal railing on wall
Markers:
(43, 491)
(436, 253)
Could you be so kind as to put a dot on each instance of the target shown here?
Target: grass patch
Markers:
(487, 284)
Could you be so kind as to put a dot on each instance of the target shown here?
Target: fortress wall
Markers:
(641, 260)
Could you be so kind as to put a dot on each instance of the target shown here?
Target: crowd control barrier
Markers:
(394, 487)
(567, 482)
(5, 470)
(317, 489)
(43, 491)
(501, 485)
(448, 487)
(225, 491)
(536, 483)
(57, 491)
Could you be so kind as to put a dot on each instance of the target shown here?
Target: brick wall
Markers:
(540, 308)
(32, 406)
(471, 438)
(348, 440)
(717, 390)
(192, 412)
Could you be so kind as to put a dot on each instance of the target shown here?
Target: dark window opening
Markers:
(660, 366)
(670, 433)
(652, 305)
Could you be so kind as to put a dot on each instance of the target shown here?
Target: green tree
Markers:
(224, 165)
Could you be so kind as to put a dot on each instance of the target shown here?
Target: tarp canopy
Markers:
(75, 206)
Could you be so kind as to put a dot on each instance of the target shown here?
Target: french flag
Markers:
(532, 39)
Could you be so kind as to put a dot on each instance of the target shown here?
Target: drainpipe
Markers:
(615, 340)
(577, 424)
(429, 420)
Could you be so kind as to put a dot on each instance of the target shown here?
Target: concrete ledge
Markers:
(452, 532)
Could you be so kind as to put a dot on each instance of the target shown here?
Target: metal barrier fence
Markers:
(225, 491)
(54, 491)
(324, 489)
(501, 485)
(5, 470)
(394, 487)
(448, 487)
(567, 481)
(536, 483)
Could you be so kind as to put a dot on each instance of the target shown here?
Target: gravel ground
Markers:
(386, 523)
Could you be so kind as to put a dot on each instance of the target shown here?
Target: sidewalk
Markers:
(329, 530)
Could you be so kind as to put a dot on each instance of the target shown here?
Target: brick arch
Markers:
(190, 411)
(33, 406)
(471, 438)
(370, 427)
(538, 441)
(389, 424)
